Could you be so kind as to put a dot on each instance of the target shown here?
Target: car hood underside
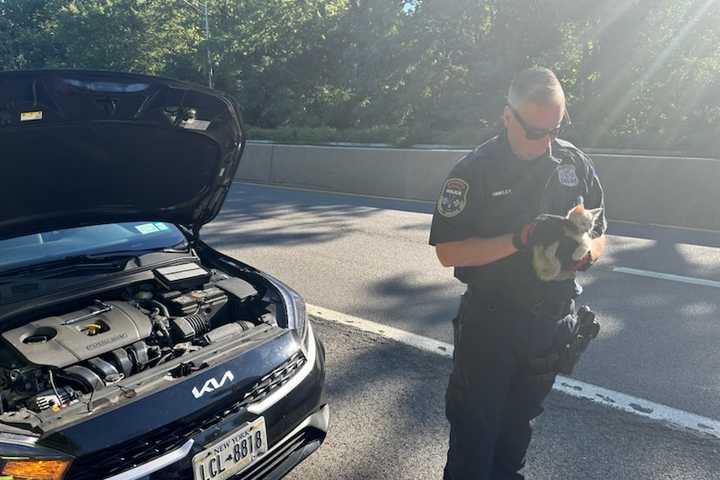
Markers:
(83, 148)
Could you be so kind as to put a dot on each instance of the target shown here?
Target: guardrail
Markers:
(647, 189)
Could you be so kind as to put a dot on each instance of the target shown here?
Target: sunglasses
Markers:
(532, 133)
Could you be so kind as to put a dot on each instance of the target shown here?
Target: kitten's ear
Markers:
(595, 212)
(577, 209)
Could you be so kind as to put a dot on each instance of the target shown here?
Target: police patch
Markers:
(453, 198)
(567, 175)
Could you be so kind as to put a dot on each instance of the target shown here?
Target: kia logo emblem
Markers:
(212, 384)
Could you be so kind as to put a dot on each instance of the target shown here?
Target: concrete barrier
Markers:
(646, 189)
(402, 173)
(662, 190)
(256, 164)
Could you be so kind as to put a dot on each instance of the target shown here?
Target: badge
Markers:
(453, 198)
(567, 175)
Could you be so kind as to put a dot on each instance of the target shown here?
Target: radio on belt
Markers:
(181, 277)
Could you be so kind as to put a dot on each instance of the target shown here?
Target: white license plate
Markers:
(233, 453)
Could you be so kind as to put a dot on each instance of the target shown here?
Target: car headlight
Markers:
(294, 306)
(297, 313)
(31, 469)
(22, 459)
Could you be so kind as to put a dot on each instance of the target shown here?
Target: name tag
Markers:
(501, 193)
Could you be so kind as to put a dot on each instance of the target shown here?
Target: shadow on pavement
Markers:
(659, 339)
(387, 422)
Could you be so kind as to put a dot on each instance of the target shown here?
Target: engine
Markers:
(53, 361)
(77, 336)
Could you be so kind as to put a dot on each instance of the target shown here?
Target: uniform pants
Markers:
(491, 398)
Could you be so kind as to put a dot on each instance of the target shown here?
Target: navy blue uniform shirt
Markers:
(491, 192)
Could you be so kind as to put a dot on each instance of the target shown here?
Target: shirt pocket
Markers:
(564, 199)
(501, 214)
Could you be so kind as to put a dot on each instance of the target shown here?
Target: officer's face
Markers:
(532, 116)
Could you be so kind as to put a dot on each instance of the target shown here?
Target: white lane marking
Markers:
(667, 276)
(402, 336)
(575, 388)
(670, 227)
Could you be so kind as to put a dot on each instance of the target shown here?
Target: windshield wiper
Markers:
(71, 262)
(134, 253)
(104, 261)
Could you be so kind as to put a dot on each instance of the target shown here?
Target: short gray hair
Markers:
(537, 85)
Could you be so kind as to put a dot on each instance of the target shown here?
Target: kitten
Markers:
(547, 260)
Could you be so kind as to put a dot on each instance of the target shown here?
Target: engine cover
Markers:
(81, 335)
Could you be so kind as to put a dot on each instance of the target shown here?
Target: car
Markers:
(129, 348)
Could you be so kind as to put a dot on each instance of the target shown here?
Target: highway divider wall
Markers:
(638, 188)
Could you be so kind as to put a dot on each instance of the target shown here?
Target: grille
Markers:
(274, 380)
(299, 446)
(111, 461)
(293, 446)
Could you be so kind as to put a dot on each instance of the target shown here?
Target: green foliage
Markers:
(639, 73)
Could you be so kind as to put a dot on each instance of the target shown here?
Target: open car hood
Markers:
(85, 148)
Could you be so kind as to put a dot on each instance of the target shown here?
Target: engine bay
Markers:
(80, 348)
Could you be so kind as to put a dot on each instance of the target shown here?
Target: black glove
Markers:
(583, 264)
(544, 230)
(566, 250)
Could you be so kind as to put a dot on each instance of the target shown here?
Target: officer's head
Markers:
(534, 112)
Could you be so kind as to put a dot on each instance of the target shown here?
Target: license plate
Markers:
(233, 453)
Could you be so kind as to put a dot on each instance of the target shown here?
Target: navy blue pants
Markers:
(491, 398)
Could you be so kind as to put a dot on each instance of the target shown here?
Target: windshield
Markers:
(97, 239)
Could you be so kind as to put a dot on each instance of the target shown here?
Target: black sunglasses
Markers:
(532, 133)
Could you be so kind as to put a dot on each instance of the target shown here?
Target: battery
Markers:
(188, 303)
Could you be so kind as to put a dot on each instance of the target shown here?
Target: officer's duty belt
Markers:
(528, 305)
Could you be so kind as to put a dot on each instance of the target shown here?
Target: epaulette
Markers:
(568, 149)
(485, 149)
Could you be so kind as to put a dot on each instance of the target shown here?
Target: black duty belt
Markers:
(528, 304)
(574, 330)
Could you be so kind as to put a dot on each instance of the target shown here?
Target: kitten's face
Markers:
(584, 220)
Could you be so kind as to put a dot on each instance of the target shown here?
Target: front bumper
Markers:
(296, 419)
(285, 454)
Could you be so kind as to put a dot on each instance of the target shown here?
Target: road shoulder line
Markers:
(675, 418)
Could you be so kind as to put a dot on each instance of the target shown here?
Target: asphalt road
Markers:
(387, 423)
(369, 258)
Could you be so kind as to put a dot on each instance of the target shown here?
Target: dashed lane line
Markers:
(667, 276)
(678, 419)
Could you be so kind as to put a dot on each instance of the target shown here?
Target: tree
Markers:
(636, 73)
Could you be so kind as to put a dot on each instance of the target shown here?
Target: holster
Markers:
(572, 336)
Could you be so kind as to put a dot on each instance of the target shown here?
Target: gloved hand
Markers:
(544, 230)
(583, 264)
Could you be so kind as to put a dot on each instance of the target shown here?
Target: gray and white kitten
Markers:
(579, 224)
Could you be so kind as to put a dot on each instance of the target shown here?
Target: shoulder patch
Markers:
(567, 175)
(453, 198)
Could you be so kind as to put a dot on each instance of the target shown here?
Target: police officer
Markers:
(486, 221)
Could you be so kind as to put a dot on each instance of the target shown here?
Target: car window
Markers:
(96, 239)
